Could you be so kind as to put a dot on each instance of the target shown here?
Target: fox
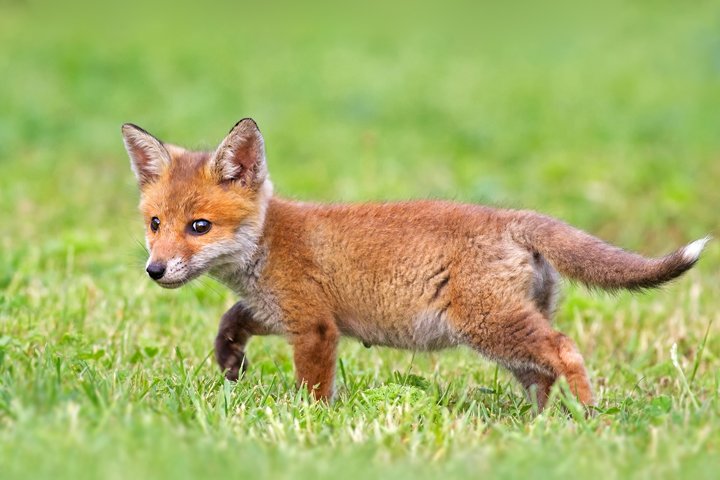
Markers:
(421, 275)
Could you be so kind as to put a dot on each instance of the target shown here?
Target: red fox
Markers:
(420, 275)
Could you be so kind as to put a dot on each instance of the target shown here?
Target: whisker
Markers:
(209, 285)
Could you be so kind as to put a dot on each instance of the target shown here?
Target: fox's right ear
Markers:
(148, 156)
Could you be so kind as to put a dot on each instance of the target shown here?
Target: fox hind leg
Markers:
(537, 384)
(524, 342)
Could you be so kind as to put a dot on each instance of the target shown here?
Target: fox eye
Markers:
(154, 224)
(200, 226)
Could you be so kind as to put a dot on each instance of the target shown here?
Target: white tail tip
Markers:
(692, 251)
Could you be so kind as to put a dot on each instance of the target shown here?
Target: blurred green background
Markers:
(605, 114)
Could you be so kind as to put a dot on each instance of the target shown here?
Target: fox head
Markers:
(202, 210)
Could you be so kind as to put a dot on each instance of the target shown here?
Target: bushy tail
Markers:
(585, 258)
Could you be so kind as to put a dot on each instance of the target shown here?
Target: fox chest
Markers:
(262, 302)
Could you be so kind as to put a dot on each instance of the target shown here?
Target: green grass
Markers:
(605, 115)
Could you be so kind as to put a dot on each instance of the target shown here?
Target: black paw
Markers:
(236, 366)
(230, 358)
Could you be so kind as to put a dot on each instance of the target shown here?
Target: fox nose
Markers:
(156, 270)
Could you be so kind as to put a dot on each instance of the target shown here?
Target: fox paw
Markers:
(230, 358)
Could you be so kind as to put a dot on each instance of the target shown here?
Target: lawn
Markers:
(605, 115)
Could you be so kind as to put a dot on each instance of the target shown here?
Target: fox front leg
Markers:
(236, 327)
(315, 351)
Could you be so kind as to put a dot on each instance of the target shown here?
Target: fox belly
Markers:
(423, 331)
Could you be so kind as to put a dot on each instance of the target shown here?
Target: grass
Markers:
(603, 115)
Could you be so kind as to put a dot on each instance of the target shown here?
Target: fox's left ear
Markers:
(241, 156)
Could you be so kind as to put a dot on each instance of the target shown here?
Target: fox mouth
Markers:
(178, 282)
(171, 285)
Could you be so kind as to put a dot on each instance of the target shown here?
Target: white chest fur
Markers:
(245, 281)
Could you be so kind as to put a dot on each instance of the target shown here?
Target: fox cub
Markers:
(421, 275)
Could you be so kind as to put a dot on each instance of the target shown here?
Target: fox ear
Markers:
(241, 156)
(148, 157)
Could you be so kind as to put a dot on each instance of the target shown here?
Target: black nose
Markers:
(156, 270)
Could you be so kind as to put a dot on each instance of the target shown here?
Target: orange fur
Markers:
(419, 275)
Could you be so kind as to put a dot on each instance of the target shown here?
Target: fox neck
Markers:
(238, 268)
